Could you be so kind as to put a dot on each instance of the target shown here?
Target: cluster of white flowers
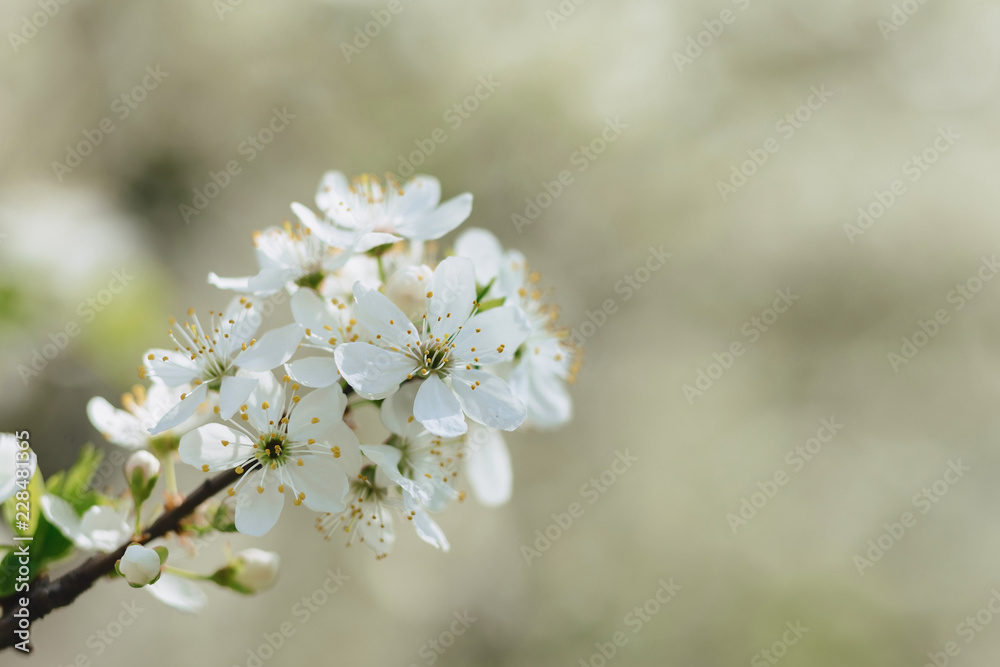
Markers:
(452, 353)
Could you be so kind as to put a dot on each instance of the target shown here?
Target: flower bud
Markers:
(140, 565)
(407, 288)
(256, 570)
(144, 461)
(141, 472)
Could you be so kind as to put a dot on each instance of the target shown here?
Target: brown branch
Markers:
(47, 595)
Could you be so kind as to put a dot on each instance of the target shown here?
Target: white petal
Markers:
(313, 371)
(387, 459)
(484, 250)
(273, 349)
(178, 369)
(438, 222)
(484, 334)
(257, 512)
(326, 405)
(203, 446)
(372, 371)
(310, 311)
(544, 394)
(429, 531)
(178, 592)
(323, 481)
(397, 411)
(374, 240)
(487, 465)
(333, 189)
(105, 527)
(453, 294)
(61, 514)
(491, 403)
(182, 411)
(380, 316)
(234, 284)
(117, 426)
(233, 393)
(270, 281)
(421, 195)
(437, 408)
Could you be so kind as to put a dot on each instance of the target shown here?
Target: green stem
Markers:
(381, 268)
(187, 574)
(170, 475)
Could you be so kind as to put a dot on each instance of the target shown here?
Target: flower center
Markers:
(272, 449)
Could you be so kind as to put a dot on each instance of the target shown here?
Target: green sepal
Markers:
(482, 290)
(162, 552)
(491, 304)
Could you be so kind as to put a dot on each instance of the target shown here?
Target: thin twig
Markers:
(48, 595)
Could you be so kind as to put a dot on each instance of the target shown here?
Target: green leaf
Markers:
(162, 552)
(73, 485)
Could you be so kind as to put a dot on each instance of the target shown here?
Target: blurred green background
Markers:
(563, 69)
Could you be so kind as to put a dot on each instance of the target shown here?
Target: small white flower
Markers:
(446, 351)
(367, 517)
(365, 213)
(144, 461)
(279, 439)
(288, 255)
(10, 456)
(545, 362)
(327, 322)
(139, 565)
(424, 465)
(406, 288)
(129, 428)
(101, 528)
(256, 570)
(221, 357)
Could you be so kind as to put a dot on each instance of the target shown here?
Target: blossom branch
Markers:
(53, 594)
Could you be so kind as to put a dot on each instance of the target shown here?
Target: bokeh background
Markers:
(656, 185)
